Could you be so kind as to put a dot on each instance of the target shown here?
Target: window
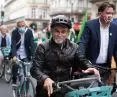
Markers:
(33, 12)
(44, 13)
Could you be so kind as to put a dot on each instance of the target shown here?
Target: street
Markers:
(6, 89)
(115, 95)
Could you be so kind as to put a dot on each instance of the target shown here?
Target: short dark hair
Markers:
(105, 5)
(33, 26)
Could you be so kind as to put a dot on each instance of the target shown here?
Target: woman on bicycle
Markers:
(5, 41)
(53, 60)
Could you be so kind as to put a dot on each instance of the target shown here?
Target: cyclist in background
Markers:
(36, 34)
(53, 59)
(34, 29)
(22, 45)
(5, 41)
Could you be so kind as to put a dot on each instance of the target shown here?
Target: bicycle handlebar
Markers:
(104, 68)
(80, 74)
(58, 85)
(22, 62)
(76, 80)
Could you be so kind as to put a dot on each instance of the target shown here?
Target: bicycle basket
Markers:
(6, 51)
(103, 91)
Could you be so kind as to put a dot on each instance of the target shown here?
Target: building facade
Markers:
(41, 11)
(72, 8)
(30, 10)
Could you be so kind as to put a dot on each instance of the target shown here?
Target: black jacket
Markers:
(28, 42)
(54, 61)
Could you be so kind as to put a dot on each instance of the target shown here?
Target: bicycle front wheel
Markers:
(15, 92)
(1, 69)
(28, 89)
(7, 71)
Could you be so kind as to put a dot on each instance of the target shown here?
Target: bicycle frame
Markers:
(65, 83)
(22, 78)
(98, 91)
(26, 75)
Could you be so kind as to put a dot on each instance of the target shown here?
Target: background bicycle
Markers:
(5, 67)
(24, 85)
(112, 80)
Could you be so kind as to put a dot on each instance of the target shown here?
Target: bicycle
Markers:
(83, 88)
(5, 67)
(114, 84)
(24, 85)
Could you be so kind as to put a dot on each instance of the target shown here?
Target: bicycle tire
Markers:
(2, 69)
(7, 73)
(16, 91)
(28, 89)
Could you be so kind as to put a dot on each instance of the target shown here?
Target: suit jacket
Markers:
(28, 42)
(89, 44)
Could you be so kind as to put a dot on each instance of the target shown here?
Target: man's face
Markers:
(21, 24)
(59, 34)
(107, 15)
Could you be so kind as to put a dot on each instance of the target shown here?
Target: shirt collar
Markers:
(101, 25)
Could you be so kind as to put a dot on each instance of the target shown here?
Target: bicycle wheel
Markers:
(16, 88)
(14, 91)
(1, 69)
(28, 89)
(7, 73)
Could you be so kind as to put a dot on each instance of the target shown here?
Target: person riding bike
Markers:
(22, 46)
(5, 41)
(53, 59)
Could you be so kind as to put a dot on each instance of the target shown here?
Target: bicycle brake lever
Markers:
(56, 87)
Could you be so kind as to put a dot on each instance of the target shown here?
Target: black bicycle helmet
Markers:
(61, 19)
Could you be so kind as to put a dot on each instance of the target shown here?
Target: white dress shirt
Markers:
(21, 52)
(104, 41)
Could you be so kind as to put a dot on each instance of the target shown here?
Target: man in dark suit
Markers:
(22, 45)
(99, 40)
